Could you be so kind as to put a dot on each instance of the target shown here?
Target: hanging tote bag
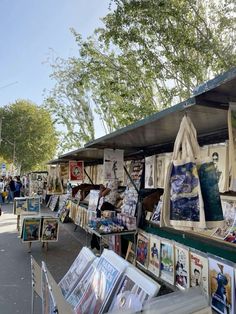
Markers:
(183, 204)
(232, 146)
(208, 182)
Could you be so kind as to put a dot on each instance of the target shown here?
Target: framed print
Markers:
(31, 229)
(34, 204)
(50, 229)
(20, 205)
(76, 170)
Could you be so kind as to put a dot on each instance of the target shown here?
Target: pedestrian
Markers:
(1, 195)
(11, 190)
(18, 186)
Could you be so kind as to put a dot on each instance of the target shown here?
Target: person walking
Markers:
(1, 195)
(18, 186)
(11, 190)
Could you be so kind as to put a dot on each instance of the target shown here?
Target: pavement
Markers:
(15, 271)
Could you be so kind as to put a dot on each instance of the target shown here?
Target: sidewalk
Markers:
(15, 274)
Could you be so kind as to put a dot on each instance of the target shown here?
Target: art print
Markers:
(221, 281)
(50, 229)
(31, 229)
(34, 204)
(150, 172)
(20, 205)
(154, 255)
(142, 249)
(76, 170)
(113, 164)
(93, 200)
(156, 216)
(182, 278)
(199, 272)
(167, 262)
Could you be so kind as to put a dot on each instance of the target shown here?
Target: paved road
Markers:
(15, 275)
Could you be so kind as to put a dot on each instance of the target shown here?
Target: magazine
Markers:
(199, 272)
(98, 293)
(142, 249)
(76, 271)
(134, 289)
(154, 255)
(167, 262)
(221, 281)
(31, 229)
(50, 229)
(150, 172)
(182, 277)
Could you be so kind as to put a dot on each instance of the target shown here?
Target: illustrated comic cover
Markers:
(142, 249)
(31, 229)
(182, 278)
(167, 261)
(50, 229)
(154, 255)
(199, 272)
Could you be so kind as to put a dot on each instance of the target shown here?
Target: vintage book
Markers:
(50, 229)
(154, 255)
(98, 294)
(142, 249)
(167, 261)
(150, 172)
(199, 272)
(134, 289)
(76, 271)
(221, 281)
(182, 276)
(31, 229)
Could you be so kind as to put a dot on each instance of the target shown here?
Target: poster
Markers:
(31, 229)
(76, 271)
(20, 204)
(221, 281)
(93, 200)
(182, 277)
(156, 216)
(113, 164)
(154, 255)
(104, 279)
(76, 170)
(150, 172)
(167, 261)
(50, 229)
(199, 272)
(34, 204)
(142, 249)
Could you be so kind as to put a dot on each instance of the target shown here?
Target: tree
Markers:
(31, 129)
(149, 55)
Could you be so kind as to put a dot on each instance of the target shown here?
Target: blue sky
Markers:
(33, 31)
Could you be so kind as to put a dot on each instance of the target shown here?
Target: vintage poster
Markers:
(142, 249)
(76, 295)
(182, 277)
(156, 216)
(221, 282)
(34, 204)
(76, 170)
(76, 271)
(229, 211)
(104, 279)
(167, 262)
(93, 200)
(199, 272)
(20, 205)
(50, 229)
(31, 229)
(150, 172)
(154, 255)
(113, 164)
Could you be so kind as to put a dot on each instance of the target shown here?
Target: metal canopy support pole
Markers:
(32, 285)
(131, 180)
(88, 176)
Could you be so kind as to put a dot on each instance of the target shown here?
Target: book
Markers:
(154, 255)
(182, 276)
(142, 249)
(221, 282)
(167, 261)
(199, 272)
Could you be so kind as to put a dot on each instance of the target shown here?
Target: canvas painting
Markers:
(182, 278)
(142, 249)
(167, 262)
(199, 272)
(154, 255)
(150, 172)
(221, 281)
(31, 229)
(50, 229)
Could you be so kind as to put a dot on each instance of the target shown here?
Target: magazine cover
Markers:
(182, 276)
(20, 204)
(142, 249)
(134, 289)
(76, 295)
(97, 296)
(93, 200)
(31, 229)
(34, 204)
(199, 272)
(221, 281)
(154, 255)
(229, 211)
(167, 262)
(76, 170)
(76, 271)
(150, 172)
(113, 164)
(50, 229)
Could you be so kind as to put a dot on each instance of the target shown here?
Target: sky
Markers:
(35, 31)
